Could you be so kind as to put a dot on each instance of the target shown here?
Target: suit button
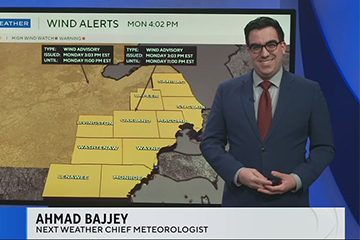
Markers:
(262, 149)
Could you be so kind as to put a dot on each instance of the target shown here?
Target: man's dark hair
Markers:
(263, 22)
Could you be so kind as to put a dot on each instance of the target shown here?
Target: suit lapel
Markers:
(286, 88)
(247, 96)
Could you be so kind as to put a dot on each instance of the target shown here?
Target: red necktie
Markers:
(264, 110)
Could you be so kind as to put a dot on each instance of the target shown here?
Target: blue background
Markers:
(13, 222)
(327, 51)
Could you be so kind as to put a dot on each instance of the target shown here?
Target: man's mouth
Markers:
(266, 60)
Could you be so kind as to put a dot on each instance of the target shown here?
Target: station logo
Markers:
(15, 23)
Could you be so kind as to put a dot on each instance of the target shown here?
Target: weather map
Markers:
(120, 151)
(120, 131)
(135, 137)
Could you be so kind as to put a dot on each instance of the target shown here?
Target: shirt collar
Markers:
(275, 80)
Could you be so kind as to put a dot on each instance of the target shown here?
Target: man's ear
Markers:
(283, 46)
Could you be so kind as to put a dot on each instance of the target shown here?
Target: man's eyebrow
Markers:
(271, 41)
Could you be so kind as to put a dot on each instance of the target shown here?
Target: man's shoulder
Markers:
(299, 80)
(288, 76)
(238, 81)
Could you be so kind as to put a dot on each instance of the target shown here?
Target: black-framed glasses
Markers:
(270, 47)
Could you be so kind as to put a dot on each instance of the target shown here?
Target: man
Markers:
(266, 117)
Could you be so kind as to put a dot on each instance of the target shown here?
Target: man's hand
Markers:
(253, 179)
(287, 183)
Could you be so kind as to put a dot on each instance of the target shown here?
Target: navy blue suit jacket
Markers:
(301, 112)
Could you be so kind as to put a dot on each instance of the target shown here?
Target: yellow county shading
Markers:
(95, 126)
(143, 151)
(150, 99)
(97, 151)
(117, 181)
(171, 84)
(73, 181)
(169, 122)
(190, 107)
(135, 124)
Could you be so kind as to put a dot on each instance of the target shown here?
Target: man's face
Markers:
(266, 63)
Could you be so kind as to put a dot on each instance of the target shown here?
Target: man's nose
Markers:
(264, 52)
